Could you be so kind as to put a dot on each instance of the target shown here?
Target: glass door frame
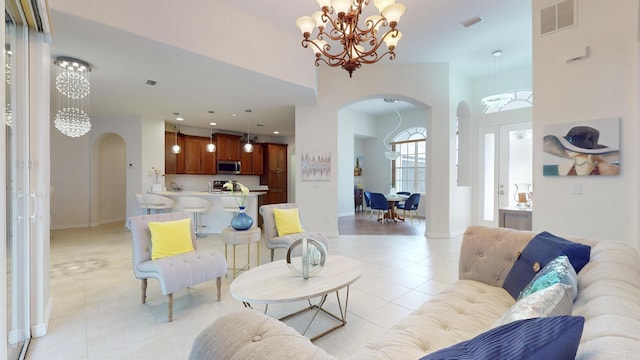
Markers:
(493, 174)
(19, 201)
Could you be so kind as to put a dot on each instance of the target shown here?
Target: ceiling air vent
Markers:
(558, 16)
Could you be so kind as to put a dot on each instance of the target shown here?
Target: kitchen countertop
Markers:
(206, 193)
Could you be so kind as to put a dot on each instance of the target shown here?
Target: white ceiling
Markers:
(192, 84)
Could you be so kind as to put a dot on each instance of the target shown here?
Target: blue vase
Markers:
(241, 221)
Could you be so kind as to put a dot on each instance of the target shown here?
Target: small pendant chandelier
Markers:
(248, 146)
(211, 147)
(351, 44)
(176, 149)
(73, 87)
(500, 99)
(391, 154)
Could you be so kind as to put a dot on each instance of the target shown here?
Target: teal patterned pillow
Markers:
(552, 301)
(558, 270)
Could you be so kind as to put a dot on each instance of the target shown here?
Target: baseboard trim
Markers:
(41, 329)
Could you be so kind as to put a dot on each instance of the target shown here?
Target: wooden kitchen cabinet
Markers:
(252, 163)
(173, 163)
(228, 147)
(358, 198)
(197, 159)
(275, 173)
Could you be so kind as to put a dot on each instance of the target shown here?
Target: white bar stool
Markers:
(142, 204)
(234, 237)
(196, 206)
(157, 202)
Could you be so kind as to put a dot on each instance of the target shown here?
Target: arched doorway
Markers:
(363, 127)
(108, 173)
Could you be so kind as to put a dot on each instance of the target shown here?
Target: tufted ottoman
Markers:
(249, 335)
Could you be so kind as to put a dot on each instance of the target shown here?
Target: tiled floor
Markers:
(97, 312)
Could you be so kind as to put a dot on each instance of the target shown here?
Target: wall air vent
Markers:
(558, 16)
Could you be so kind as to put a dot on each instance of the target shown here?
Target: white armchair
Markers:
(175, 272)
(271, 239)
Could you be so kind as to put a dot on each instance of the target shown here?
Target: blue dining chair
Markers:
(411, 204)
(379, 202)
(367, 202)
(401, 193)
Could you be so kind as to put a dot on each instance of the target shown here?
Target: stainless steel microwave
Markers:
(228, 167)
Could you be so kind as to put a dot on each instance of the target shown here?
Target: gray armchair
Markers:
(271, 239)
(175, 272)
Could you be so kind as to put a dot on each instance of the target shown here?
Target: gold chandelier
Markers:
(355, 45)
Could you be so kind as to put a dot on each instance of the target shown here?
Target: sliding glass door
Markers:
(19, 201)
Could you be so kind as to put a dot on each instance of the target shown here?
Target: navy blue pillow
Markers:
(542, 249)
(545, 338)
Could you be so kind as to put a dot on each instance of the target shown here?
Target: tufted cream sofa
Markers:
(608, 298)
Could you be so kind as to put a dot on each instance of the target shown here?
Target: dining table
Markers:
(392, 215)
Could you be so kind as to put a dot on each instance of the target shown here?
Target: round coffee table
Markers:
(274, 283)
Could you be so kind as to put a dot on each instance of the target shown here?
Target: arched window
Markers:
(409, 169)
(521, 99)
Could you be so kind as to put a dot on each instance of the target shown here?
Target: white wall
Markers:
(69, 178)
(460, 200)
(76, 178)
(212, 17)
(603, 85)
(111, 190)
(350, 124)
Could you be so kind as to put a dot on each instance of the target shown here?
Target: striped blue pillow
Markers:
(546, 338)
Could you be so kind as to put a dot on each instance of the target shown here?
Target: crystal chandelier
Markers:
(355, 44)
(73, 87)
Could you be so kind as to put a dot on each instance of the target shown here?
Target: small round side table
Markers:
(234, 237)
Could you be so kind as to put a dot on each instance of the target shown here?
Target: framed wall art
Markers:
(316, 166)
(582, 148)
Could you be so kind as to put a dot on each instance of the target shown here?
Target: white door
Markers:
(506, 159)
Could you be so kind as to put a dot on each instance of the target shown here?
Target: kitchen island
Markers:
(222, 209)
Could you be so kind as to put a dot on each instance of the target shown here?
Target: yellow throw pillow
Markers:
(170, 238)
(287, 221)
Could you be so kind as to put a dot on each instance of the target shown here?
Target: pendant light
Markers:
(390, 153)
(176, 148)
(211, 147)
(248, 147)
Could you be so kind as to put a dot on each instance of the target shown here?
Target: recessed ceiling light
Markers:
(247, 110)
(179, 119)
(497, 53)
(276, 132)
(212, 124)
(260, 125)
(151, 82)
(210, 111)
(234, 114)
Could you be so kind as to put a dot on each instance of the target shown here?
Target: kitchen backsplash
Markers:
(201, 182)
